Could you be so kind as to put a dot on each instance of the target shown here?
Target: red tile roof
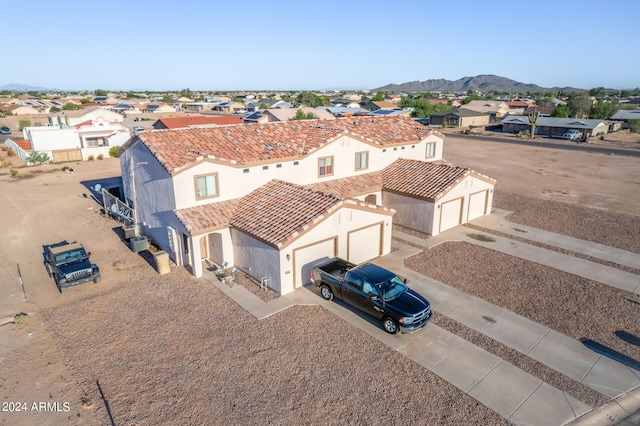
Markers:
(23, 143)
(518, 104)
(207, 218)
(351, 186)
(178, 122)
(423, 179)
(251, 143)
(276, 213)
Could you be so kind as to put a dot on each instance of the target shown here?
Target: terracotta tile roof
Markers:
(423, 179)
(251, 143)
(352, 186)
(178, 122)
(207, 218)
(518, 104)
(23, 143)
(279, 211)
(276, 213)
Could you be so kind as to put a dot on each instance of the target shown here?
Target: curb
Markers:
(612, 413)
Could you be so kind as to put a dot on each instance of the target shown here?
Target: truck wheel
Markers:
(389, 325)
(97, 280)
(325, 292)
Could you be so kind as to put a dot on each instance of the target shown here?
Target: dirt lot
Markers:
(147, 349)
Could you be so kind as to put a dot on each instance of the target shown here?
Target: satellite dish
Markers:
(114, 208)
(97, 188)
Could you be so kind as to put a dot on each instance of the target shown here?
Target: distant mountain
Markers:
(17, 87)
(483, 83)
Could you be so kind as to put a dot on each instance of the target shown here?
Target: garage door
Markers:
(67, 155)
(305, 258)
(364, 243)
(450, 214)
(477, 204)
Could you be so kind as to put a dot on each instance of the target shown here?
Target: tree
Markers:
(113, 151)
(579, 104)
(603, 110)
(300, 115)
(598, 92)
(100, 92)
(54, 109)
(309, 99)
(378, 97)
(264, 106)
(24, 123)
(186, 93)
(85, 101)
(634, 126)
(561, 111)
(37, 157)
(69, 106)
(472, 98)
(167, 98)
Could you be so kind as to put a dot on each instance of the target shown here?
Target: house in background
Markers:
(287, 114)
(495, 109)
(229, 107)
(15, 109)
(459, 117)
(74, 143)
(72, 117)
(272, 199)
(625, 115)
(195, 121)
(376, 105)
(556, 127)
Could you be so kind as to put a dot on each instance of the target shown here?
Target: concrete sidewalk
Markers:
(498, 222)
(590, 270)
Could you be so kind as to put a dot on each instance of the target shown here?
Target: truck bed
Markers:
(336, 267)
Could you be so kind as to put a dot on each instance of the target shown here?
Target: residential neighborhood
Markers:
(513, 217)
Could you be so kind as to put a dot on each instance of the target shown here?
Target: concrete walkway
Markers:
(516, 395)
(584, 268)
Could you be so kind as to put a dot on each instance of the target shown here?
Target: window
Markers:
(279, 166)
(206, 186)
(355, 281)
(91, 142)
(325, 166)
(362, 160)
(245, 171)
(295, 163)
(431, 150)
(265, 167)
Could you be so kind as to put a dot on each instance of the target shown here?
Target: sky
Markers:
(166, 45)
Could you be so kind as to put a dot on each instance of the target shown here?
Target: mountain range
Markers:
(482, 83)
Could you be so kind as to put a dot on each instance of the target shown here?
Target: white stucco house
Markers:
(75, 143)
(273, 199)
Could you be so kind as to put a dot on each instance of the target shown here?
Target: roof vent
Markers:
(258, 131)
(228, 133)
(271, 193)
(294, 127)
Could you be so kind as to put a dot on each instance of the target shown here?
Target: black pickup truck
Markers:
(374, 290)
(69, 265)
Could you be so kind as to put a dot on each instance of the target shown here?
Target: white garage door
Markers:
(365, 243)
(477, 204)
(450, 214)
(304, 258)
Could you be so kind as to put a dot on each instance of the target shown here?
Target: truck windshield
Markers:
(70, 256)
(392, 288)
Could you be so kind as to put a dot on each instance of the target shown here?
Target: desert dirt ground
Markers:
(140, 348)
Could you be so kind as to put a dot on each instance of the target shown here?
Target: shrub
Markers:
(14, 172)
(634, 126)
(37, 157)
(113, 151)
(24, 123)
(91, 157)
(100, 156)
